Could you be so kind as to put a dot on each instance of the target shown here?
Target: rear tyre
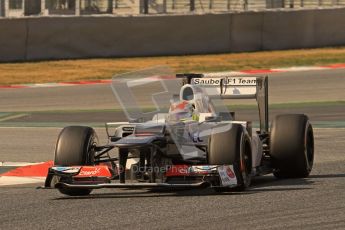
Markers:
(75, 147)
(232, 148)
(292, 146)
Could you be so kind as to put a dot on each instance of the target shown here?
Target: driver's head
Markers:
(181, 111)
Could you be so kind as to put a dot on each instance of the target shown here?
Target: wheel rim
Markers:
(90, 150)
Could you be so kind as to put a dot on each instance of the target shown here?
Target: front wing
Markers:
(176, 176)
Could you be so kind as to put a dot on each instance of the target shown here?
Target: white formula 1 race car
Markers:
(196, 143)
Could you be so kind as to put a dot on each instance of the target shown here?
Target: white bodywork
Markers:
(200, 93)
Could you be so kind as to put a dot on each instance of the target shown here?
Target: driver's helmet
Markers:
(182, 111)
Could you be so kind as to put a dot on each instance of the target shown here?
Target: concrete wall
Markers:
(82, 37)
(286, 30)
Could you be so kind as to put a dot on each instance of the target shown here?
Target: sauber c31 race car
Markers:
(196, 143)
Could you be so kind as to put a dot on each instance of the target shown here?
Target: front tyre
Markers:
(292, 146)
(75, 147)
(232, 148)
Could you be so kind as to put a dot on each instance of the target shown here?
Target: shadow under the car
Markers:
(120, 193)
(260, 184)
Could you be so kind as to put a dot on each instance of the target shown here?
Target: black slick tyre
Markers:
(292, 146)
(232, 147)
(74, 147)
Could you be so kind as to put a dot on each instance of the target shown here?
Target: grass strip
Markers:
(105, 68)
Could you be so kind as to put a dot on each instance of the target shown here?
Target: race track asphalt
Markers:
(317, 202)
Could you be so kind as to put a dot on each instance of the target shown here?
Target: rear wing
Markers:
(229, 87)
